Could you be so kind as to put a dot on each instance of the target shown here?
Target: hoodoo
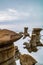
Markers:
(31, 46)
(26, 32)
(7, 52)
(37, 32)
(35, 40)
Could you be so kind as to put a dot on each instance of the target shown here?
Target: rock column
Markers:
(7, 54)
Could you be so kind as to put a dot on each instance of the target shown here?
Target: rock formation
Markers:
(35, 41)
(17, 53)
(37, 32)
(7, 52)
(26, 59)
(25, 33)
(8, 36)
(31, 46)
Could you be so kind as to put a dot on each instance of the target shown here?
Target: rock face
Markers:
(37, 32)
(27, 60)
(7, 54)
(17, 53)
(7, 49)
(8, 36)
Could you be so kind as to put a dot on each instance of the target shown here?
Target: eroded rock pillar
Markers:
(7, 54)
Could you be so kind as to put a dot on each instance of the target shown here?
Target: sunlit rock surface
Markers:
(7, 49)
(8, 36)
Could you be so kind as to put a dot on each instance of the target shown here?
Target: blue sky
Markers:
(21, 12)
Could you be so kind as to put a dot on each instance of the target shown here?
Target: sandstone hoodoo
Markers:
(26, 59)
(35, 41)
(7, 52)
(37, 32)
(25, 33)
(31, 46)
(8, 36)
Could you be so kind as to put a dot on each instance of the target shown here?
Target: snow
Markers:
(18, 62)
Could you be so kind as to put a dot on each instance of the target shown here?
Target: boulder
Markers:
(26, 59)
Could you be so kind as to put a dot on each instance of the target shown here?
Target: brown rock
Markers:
(30, 48)
(27, 60)
(8, 36)
(7, 49)
(37, 32)
(7, 54)
(35, 41)
(26, 32)
(17, 53)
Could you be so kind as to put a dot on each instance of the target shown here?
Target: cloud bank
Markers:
(12, 14)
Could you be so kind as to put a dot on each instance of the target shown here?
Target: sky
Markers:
(21, 13)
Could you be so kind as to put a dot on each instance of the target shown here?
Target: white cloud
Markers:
(12, 14)
(12, 10)
(8, 15)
